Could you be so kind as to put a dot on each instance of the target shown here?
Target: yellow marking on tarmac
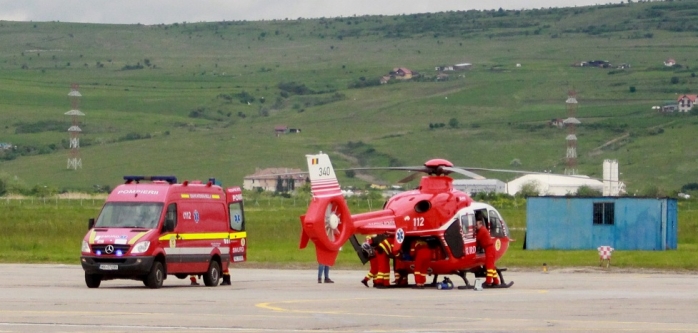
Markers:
(272, 307)
(643, 326)
(583, 325)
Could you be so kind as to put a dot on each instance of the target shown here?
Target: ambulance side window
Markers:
(171, 216)
(237, 218)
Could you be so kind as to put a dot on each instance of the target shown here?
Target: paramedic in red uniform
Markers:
(384, 252)
(420, 253)
(484, 240)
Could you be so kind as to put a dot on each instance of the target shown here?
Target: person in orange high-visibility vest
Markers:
(384, 251)
(484, 240)
(421, 254)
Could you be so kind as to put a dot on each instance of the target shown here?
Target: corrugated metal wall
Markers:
(568, 223)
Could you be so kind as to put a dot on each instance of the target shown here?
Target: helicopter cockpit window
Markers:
(496, 230)
(467, 223)
(482, 215)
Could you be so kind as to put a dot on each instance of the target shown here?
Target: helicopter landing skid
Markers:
(467, 285)
(484, 286)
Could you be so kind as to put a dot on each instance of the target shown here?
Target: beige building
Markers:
(271, 179)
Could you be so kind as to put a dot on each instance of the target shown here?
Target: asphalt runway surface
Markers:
(54, 298)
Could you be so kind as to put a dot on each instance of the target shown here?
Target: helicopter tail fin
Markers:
(323, 181)
(327, 223)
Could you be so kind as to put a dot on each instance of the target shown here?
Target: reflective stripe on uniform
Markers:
(386, 246)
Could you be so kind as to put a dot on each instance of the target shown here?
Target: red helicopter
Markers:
(434, 212)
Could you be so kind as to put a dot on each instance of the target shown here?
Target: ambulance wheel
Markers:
(154, 279)
(213, 274)
(181, 276)
(93, 280)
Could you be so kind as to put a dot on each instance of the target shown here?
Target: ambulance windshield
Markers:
(130, 215)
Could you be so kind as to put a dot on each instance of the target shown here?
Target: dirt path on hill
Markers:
(361, 175)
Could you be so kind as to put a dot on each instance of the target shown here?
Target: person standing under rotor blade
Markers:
(484, 240)
(323, 269)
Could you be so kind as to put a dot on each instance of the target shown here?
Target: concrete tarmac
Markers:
(54, 298)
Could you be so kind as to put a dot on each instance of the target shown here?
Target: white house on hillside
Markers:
(686, 102)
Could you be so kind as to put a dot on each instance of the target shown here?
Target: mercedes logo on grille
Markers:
(109, 249)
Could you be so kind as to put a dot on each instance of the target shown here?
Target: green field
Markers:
(50, 231)
(202, 99)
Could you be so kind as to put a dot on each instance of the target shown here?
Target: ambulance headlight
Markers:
(140, 247)
(85, 246)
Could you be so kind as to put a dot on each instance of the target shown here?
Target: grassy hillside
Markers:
(202, 99)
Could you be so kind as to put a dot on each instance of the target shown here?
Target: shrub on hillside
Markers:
(42, 126)
(363, 83)
(244, 97)
(453, 123)
(132, 67)
(689, 187)
(295, 88)
(316, 101)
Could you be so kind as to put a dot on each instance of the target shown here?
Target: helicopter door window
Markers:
(467, 223)
(482, 215)
(496, 226)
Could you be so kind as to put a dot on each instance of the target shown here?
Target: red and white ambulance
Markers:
(150, 227)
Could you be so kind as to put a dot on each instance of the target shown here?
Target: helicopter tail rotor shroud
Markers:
(328, 222)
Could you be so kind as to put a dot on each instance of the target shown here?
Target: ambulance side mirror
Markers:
(90, 224)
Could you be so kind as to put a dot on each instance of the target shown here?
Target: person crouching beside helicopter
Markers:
(370, 252)
(420, 252)
(484, 240)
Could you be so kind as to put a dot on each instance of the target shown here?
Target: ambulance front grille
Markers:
(102, 248)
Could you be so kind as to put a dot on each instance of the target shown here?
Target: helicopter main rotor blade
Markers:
(409, 178)
(463, 172)
(406, 168)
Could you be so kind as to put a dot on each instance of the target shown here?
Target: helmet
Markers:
(366, 248)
